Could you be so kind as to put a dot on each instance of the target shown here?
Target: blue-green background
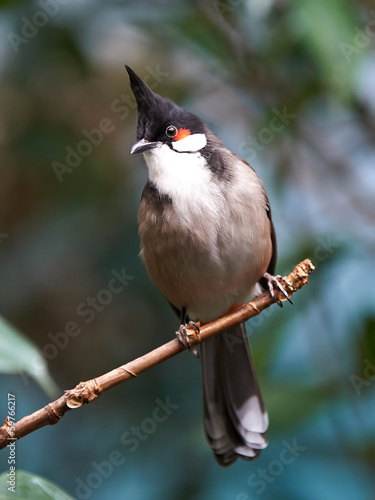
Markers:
(233, 62)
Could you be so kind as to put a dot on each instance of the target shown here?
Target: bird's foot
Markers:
(274, 282)
(186, 334)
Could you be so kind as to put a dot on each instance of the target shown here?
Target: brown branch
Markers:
(86, 392)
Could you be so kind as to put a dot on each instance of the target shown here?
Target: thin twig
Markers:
(86, 392)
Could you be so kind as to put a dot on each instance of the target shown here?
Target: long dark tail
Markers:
(235, 418)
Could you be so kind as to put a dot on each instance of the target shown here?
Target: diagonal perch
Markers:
(86, 392)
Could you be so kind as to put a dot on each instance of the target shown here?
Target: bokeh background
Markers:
(289, 86)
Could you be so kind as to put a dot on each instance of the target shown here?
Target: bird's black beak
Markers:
(142, 146)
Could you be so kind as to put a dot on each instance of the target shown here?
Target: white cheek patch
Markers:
(190, 144)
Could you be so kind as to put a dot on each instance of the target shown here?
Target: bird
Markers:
(209, 245)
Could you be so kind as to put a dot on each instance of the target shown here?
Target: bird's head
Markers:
(161, 122)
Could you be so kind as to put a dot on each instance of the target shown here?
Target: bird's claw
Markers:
(274, 281)
(186, 336)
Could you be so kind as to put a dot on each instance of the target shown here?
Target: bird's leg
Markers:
(274, 281)
(184, 336)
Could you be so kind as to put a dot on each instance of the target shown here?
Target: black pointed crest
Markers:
(144, 96)
(152, 108)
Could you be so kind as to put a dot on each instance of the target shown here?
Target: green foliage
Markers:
(20, 356)
(30, 487)
(324, 26)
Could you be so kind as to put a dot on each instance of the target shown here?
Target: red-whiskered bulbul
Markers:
(209, 245)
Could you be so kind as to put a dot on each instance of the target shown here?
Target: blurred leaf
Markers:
(19, 355)
(324, 26)
(31, 487)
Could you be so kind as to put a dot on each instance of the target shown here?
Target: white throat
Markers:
(187, 180)
(176, 174)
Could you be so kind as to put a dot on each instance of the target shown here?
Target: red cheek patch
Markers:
(181, 134)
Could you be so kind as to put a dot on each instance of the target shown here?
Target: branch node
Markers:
(8, 425)
(129, 371)
(253, 308)
(85, 392)
(193, 334)
(53, 415)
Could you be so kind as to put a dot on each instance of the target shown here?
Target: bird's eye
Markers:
(171, 131)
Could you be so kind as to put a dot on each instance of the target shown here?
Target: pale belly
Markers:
(204, 267)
